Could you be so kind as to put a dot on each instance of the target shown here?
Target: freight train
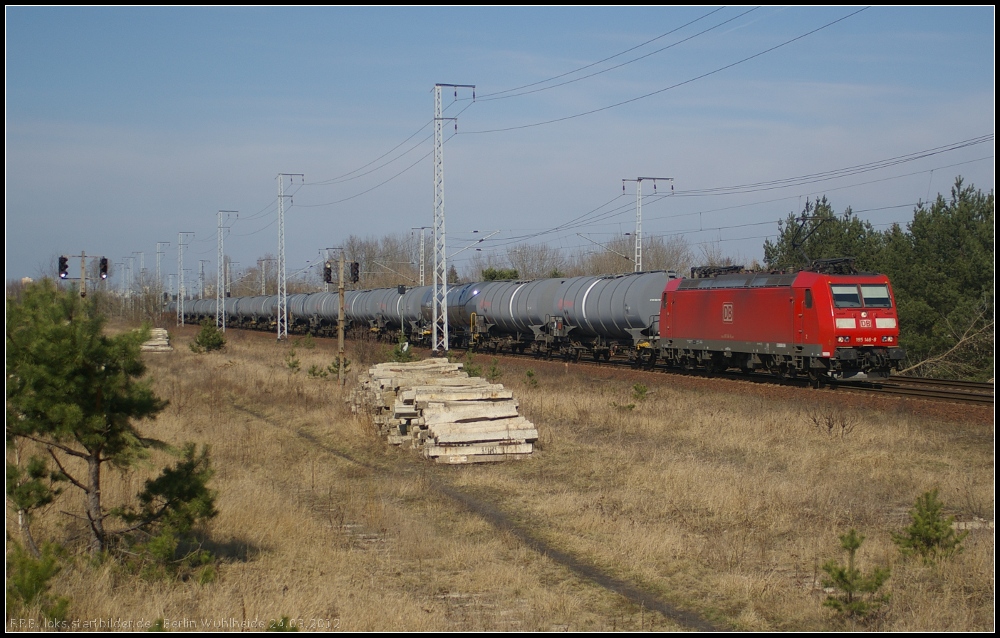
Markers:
(810, 323)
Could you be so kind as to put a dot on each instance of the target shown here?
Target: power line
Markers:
(836, 173)
(594, 216)
(385, 181)
(347, 176)
(494, 96)
(674, 86)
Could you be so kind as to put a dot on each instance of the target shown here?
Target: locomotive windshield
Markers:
(846, 296)
(874, 296)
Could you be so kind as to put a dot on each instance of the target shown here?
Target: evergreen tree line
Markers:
(940, 266)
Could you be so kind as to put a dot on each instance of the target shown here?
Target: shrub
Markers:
(494, 372)
(857, 597)
(835, 423)
(28, 583)
(317, 372)
(292, 361)
(169, 507)
(530, 379)
(402, 352)
(209, 338)
(470, 368)
(639, 392)
(930, 534)
(334, 368)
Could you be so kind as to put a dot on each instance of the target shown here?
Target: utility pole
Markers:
(440, 331)
(83, 274)
(638, 213)
(220, 264)
(282, 279)
(340, 322)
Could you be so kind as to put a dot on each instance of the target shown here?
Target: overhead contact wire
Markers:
(674, 86)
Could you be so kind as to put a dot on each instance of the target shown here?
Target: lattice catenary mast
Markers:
(180, 276)
(439, 336)
(282, 279)
(220, 265)
(638, 214)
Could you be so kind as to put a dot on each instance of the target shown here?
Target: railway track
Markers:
(932, 389)
(967, 392)
(912, 387)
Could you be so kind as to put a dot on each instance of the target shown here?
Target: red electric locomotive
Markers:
(805, 323)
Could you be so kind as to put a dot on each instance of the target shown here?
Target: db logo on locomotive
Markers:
(727, 313)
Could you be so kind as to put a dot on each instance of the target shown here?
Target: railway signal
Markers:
(63, 267)
(328, 272)
(355, 272)
(104, 267)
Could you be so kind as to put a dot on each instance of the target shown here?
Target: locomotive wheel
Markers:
(814, 379)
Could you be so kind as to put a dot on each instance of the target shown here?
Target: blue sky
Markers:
(127, 126)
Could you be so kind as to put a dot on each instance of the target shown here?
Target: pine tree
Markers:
(78, 392)
(858, 591)
(930, 535)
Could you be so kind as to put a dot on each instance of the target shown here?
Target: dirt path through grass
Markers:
(502, 522)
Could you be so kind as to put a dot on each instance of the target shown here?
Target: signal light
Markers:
(355, 272)
(104, 267)
(328, 272)
(63, 267)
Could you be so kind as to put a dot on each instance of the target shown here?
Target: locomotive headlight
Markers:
(864, 314)
(887, 339)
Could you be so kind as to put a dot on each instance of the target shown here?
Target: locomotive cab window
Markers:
(809, 298)
(845, 296)
(876, 296)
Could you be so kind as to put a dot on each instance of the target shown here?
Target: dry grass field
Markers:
(721, 499)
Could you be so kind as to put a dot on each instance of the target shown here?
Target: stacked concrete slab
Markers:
(159, 341)
(435, 407)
